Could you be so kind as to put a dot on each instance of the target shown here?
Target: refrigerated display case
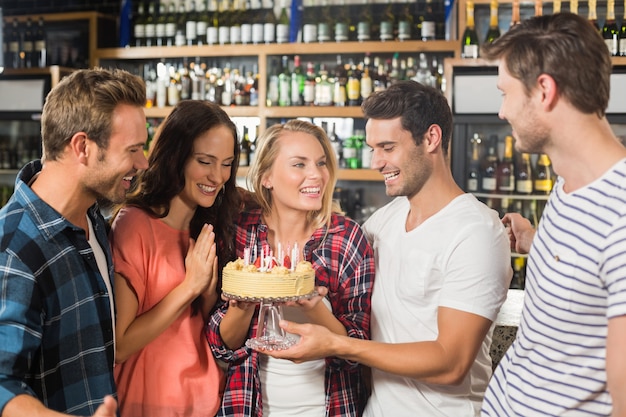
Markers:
(475, 102)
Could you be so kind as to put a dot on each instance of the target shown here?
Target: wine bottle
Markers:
(610, 32)
(159, 27)
(515, 16)
(340, 96)
(150, 36)
(282, 27)
(235, 21)
(309, 24)
(593, 16)
(27, 44)
(505, 175)
(494, 29)
(342, 22)
(429, 25)
(490, 167)
(284, 84)
(405, 23)
(41, 48)
(191, 35)
(469, 41)
(308, 94)
(367, 84)
(202, 23)
(323, 88)
(324, 23)
(364, 25)
(524, 175)
(269, 22)
(223, 30)
(518, 281)
(244, 155)
(622, 34)
(473, 171)
(387, 23)
(246, 22)
(297, 83)
(544, 178)
(170, 25)
(273, 87)
(139, 25)
(257, 22)
(353, 87)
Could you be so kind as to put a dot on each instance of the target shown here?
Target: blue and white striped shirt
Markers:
(576, 282)
(56, 330)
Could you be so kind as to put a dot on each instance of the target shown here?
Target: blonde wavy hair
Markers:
(267, 150)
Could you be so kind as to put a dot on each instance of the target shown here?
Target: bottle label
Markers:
(489, 184)
(613, 46)
(428, 30)
(246, 33)
(269, 32)
(309, 33)
(472, 185)
(309, 93)
(354, 89)
(470, 51)
(386, 30)
(622, 47)
(323, 32)
(366, 87)
(27, 46)
(201, 28)
(544, 186)
(524, 186)
(139, 31)
(404, 30)
(366, 157)
(282, 33)
(257, 33)
(341, 32)
(349, 153)
(40, 45)
(159, 30)
(235, 34)
(224, 34)
(363, 31)
(212, 35)
(190, 31)
(170, 30)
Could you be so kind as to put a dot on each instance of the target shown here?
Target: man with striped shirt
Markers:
(569, 356)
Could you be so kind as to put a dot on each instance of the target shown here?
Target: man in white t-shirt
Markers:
(442, 269)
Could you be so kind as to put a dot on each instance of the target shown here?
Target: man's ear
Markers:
(80, 147)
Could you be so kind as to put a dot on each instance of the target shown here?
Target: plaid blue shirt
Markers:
(56, 332)
(344, 263)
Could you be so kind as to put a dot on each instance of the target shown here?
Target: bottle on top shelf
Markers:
(429, 22)
(515, 13)
(27, 45)
(387, 23)
(469, 41)
(405, 23)
(364, 24)
(342, 22)
(610, 31)
(593, 15)
(324, 23)
(494, 29)
(41, 45)
(622, 34)
(282, 26)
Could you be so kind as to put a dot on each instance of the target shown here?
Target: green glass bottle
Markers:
(469, 41)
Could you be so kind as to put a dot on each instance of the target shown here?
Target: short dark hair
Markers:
(419, 106)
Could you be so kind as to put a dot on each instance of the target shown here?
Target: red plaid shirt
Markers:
(344, 263)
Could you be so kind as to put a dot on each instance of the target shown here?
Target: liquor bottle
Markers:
(515, 16)
(244, 155)
(170, 25)
(405, 23)
(429, 25)
(622, 34)
(490, 167)
(159, 27)
(139, 25)
(308, 94)
(350, 153)
(610, 32)
(41, 48)
(469, 42)
(340, 96)
(150, 35)
(257, 21)
(518, 281)
(27, 45)
(273, 89)
(494, 29)
(223, 31)
(269, 22)
(593, 16)
(323, 88)
(309, 24)
(246, 22)
(282, 27)
(297, 83)
(524, 175)
(505, 175)
(538, 8)
(202, 23)
(364, 25)
(367, 84)
(324, 23)
(473, 171)
(181, 26)
(14, 46)
(235, 22)
(342, 22)
(387, 23)
(212, 30)
(284, 84)
(353, 87)
(544, 178)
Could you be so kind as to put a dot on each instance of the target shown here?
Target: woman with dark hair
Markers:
(169, 243)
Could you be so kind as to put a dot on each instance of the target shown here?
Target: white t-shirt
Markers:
(459, 258)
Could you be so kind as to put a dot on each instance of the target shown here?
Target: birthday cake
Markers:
(275, 281)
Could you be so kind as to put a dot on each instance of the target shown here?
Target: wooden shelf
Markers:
(343, 174)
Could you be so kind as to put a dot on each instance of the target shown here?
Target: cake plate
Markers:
(269, 334)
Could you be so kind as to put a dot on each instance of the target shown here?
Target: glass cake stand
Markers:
(269, 334)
